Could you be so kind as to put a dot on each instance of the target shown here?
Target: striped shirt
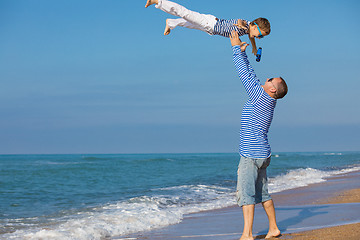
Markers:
(225, 27)
(257, 113)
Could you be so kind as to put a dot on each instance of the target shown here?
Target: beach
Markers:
(326, 210)
(170, 196)
(349, 231)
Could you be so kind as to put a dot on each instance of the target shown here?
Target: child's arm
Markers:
(242, 24)
(253, 44)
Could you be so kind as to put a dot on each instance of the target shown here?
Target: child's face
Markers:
(255, 31)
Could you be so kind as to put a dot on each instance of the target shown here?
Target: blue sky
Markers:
(99, 77)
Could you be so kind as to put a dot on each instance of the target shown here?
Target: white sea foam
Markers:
(296, 178)
(134, 215)
(339, 154)
(151, 212)
(303, 177)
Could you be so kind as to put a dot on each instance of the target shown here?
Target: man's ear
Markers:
(273, 90)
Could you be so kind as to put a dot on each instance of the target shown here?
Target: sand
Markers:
(349, 232)
(348, 196)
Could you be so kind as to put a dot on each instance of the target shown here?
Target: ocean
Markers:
(87, 196)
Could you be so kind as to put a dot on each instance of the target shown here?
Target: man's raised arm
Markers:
(243, 67)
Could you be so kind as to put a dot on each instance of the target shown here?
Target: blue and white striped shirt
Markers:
(225, 27)
(257, 113)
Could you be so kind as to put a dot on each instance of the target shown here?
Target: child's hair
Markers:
(263, 24)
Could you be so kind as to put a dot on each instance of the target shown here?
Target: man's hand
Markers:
(235, 41)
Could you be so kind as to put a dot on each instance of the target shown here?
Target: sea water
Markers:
(104, 196)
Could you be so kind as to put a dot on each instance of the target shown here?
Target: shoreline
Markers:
(346, 231)
(349, 194)
(302, 213)
(326, 192)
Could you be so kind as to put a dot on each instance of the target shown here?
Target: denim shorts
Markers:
(252, 185)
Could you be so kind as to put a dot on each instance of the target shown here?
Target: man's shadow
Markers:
(304, 213)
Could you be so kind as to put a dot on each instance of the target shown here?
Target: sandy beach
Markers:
(326, 210)
(350, 231)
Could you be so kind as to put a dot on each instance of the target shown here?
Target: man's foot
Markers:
(167, 28)
(246, 238)
(150, 2)
(273, 234)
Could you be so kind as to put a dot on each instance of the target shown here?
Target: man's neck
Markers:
(269, 92)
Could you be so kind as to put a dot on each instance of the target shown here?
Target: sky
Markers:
(100, 77)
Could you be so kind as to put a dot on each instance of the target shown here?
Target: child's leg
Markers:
(203, 22)
(173, 23)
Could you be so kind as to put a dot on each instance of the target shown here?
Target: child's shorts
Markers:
(252, 185)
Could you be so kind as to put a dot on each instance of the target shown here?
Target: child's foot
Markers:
(167, 28)
(150, 2)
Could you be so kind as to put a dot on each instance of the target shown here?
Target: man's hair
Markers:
(281, 89)
(263, 24)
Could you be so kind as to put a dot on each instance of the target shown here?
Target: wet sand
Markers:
(348, 196)
(327, 210)
(349, 232)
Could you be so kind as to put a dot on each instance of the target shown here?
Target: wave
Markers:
(156, 160)
(168, 206)
(303, 177)
(339, 154)
(139, 159)
(91, 158)
(134, 215)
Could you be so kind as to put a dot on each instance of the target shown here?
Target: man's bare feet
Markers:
(150, 2)
(246, 238)
(273, 234)
(167, 28)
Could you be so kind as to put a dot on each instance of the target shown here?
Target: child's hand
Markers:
(254, 51)
(241, 24)
(235, 41)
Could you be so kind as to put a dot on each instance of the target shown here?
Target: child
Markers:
(258, 28)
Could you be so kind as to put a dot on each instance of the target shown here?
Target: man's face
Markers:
(271, 85)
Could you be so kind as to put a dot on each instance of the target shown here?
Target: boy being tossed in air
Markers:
(210, 24)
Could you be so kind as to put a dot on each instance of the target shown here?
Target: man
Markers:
(254, 147)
